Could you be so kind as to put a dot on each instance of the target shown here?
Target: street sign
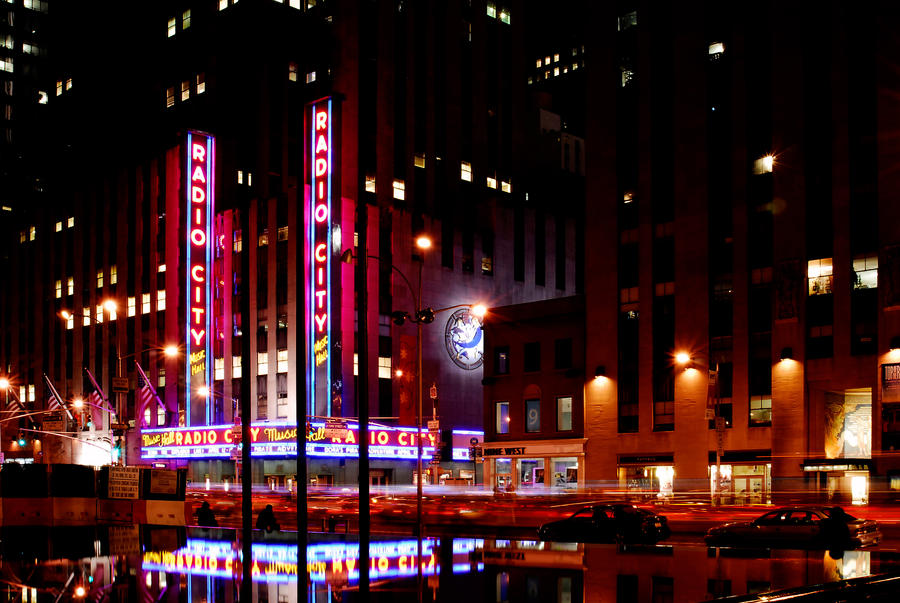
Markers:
(54, 421)
(335, 428)
(118, 426)
(434, 425)
(236, 434)
(120, 385)
(123, 482)
(235, 454)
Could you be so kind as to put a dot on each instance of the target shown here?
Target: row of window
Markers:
(465, 174)
(531, 355)
(502, 15)
(172, 23)
(199, 87)
(820, 274)
(532, 415)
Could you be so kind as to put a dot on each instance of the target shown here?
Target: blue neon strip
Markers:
(330, 253)
(187, 285)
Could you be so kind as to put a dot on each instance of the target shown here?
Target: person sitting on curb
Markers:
(266, 520)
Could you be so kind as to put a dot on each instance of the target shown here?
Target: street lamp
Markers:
(421, 315)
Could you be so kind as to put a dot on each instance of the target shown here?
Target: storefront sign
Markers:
(890, 382)
(199, 213)
(647, 459)
(504, 451)
(323, 251)
(274, 439)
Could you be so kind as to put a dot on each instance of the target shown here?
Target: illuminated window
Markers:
(22, 395)
(59, 87)
(564, 413)
(506, 187)
(764, 165)
(68, 83)
(70, 322)
(491, 10)
(530, 80)
(59, 226)
(356, 365)
(86, 317)
(38, 5)
(262, 363)
(201, 83)
(170, 97)
(113, 315)
(556, 58)
(99, 279)
(628, 20)
(384, 367)
(310, 77)
(491, 182)
(865, 272)
(556, 71)
(465, 171)
(370, 183)
(292, 71)
(6, 64)
(70, 286)
(160, 300)
(99, 313)
(249, 179)
(145, 303)
(223, 4)
(58, 289)
(185, 90)
(161, 268)
(282, 361)
(419, 160)
(282, 233)
(32, 233)
(237, 244)
(31, 393)
(113, 275)
(70, 223)
(574, 66)
(186, 19)
(819, 276)
(627, 76)
(399, 190)
(761, 410)
(22, 236)
(219, 369)
(716, 50)
(7, 42)
(504, 16)
(170, 28)
(130, 305)
(236, 367)
(263, 239)
(240, 176)
(538, 65)
(501, 417)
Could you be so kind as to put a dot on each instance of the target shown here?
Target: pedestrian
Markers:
(206, 517)
(266, 520)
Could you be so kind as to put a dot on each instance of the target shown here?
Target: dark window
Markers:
(532, 357)
(562, 353)
(626, 588)
(501, 360)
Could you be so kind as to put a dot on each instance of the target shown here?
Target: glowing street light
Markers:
(479, 310)
(682, 358)
(423, 242)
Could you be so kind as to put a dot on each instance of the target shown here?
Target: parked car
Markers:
(817, 527)
(607, 523)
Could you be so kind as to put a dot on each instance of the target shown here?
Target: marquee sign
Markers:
(323, 252)
(199, 213)
(280, 439)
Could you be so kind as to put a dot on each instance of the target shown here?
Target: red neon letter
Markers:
(198, 152)
(321, 120)
(320, 252)
(198, 237)
(198, 277)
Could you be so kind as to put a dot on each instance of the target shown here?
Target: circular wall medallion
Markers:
(464, 339)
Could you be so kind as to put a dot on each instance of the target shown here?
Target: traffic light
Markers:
(21, 441)
(310, 430)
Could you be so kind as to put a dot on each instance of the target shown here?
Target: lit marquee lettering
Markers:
(322, 220)
(199, 212)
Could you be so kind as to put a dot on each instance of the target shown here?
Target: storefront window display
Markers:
(503, 473)
(531, 473)
(648, 480)
(743, 481)
(565, 472)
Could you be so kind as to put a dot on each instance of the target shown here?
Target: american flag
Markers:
(14, 405)
(146, 395)
(55, 400)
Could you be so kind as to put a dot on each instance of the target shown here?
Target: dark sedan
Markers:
(816, 527)
(607, 523)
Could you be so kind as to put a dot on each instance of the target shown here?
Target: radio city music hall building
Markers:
(318, 114)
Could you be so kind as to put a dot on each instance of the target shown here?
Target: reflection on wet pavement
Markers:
(147, 564)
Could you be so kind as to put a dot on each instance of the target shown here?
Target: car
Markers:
(614, 522)
(799, 527)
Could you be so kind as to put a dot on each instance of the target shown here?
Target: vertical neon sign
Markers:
(199, 214)
(322, 320)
